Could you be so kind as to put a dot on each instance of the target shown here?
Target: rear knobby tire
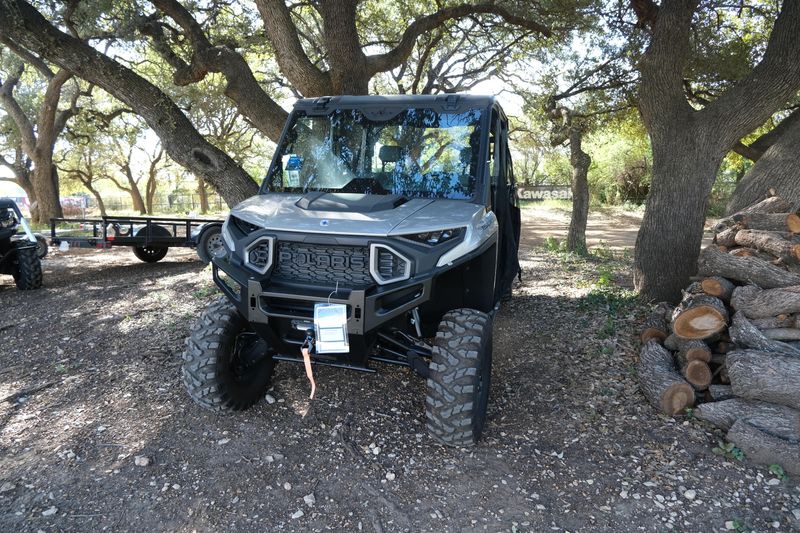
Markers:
(460, 376)
(210, 361)
(28, 274)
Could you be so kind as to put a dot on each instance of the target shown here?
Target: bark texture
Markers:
(777, 169)
(759, 303)
(782, 421)
(765, 376)
(763, 447)
(771, 204)
(745, 334)
(664, 388)
(580, 161)
(771, 243)
(713, 262)
(22, 24)
(718, 393)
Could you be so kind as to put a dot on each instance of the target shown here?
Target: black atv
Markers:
(19, 252)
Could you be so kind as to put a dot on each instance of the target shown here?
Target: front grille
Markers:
(323, 264)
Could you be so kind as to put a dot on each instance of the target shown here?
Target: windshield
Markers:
(416, 153)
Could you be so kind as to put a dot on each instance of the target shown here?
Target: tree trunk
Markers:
(688, 145)
(90, 187)
(48, 203)
(769, 377)
(745, 334)
(203, 193)
(699, 317)
(580, 161)
(762, 446)
(713, 262)
(778, 168)
(781, 420)
(759, 303)
(133, 190)
(660, 383)
(25, 26)
(666, 258)
(348, 62)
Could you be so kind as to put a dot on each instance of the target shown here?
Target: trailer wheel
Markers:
(460, 375)
(210, 244)
(28, 272)
(226, 366)
(151, 254)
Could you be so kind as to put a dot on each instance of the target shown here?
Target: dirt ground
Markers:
(89, 380)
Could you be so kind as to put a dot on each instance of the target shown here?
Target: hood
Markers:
(353, 214)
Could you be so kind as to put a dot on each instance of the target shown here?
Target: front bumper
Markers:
(260, 300)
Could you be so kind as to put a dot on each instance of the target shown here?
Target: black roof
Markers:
(452, 103)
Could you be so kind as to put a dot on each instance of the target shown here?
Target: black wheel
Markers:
(460, 376)
(210, 244)
(41, 246)
(151, 254)
(226, 366)
(28, 271)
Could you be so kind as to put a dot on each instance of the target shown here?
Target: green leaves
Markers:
(729, 451)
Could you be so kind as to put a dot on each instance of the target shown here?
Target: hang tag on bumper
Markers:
(330, 325)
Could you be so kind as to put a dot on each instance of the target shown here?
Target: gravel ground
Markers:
(110, 441)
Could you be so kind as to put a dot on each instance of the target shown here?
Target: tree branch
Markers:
(14, 110)
(289, 53)
(393, 58)
(771, 83)
(242, 86)
(29, 58)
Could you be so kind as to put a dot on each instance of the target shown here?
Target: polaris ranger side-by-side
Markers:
(385, 230)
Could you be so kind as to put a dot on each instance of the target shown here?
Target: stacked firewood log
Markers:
(732, 346)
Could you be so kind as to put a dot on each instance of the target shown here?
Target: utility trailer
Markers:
(149, 237)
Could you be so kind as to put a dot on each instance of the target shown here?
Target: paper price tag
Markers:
(330, 325)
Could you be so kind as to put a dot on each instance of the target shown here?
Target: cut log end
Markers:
(699, 322)
(793, 223)
(676, 398)
(698, 374)
(653, 334)
(698, 353)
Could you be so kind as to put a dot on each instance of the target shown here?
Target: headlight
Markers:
(432, 238)
(244, 226)
(258, 254)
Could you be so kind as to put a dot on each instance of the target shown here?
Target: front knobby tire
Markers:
(226, 367)
(28, 275)
(460, 376)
